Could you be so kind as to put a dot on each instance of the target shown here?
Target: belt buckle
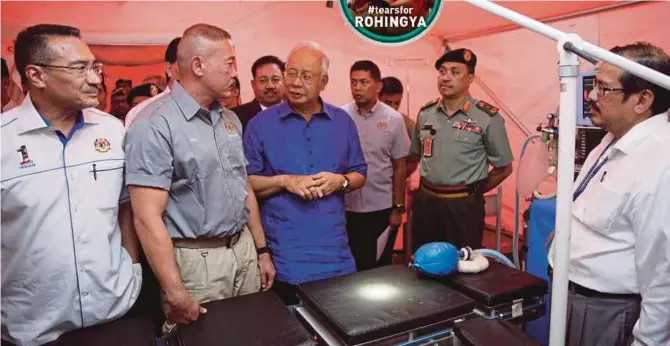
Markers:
(231, 240)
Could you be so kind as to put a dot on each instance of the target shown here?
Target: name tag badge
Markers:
(428, 147)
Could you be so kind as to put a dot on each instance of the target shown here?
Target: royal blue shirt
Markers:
(308, 239)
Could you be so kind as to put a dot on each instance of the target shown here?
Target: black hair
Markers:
(236, 82)
(367, 65)
(32, 46)
(171, 50)
(653, 57)
(265, 60)
(5, 69)
(391, 86)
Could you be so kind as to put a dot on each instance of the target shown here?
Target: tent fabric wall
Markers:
(519, 67)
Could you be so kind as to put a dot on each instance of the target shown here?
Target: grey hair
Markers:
(325, 61)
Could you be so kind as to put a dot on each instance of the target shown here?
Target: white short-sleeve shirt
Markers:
(63, 266)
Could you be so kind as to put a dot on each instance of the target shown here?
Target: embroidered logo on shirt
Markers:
(230, 127)
(101, 145)
(382, 125)
(26, 162)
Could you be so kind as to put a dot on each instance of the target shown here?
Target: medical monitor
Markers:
(585, 83)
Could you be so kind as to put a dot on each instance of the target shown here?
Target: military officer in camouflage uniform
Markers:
(456, 139)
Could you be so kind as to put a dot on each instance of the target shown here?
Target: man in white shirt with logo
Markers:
(69, 251)
(381, 202)
(619, 289)
(171, 74)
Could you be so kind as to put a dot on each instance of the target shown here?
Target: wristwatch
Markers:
(399, 207)
(345, 185)
(262, 250)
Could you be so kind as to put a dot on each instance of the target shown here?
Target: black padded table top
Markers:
(498, 284)
(380, 302)
(126, 331)
(483, 332)
(258, 319)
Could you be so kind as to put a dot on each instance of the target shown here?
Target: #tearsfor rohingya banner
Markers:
(391, 22)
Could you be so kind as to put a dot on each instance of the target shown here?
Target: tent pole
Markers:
(503, 106)
(506, 28)
(569, 47)
(407, 61)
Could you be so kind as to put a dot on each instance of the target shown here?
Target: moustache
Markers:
(594, 106)
(270, 91)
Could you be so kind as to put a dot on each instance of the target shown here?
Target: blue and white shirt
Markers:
(63, 266)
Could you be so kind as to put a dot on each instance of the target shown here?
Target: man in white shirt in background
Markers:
(69, 249)
(619, 289)
(385, 143)
(171, 74)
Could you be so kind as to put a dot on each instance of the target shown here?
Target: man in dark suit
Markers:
(268, 86)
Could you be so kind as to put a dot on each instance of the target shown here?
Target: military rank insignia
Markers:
(101, 145)
(490, 110)
(467, 55)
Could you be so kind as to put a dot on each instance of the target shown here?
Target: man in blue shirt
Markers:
(304, 154)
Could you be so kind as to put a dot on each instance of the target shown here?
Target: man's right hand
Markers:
(182, 308)
(303, 186)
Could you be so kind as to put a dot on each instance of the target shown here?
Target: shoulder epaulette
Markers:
(487, 108)
(430, 104)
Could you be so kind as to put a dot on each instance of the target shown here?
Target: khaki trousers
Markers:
(219, 273)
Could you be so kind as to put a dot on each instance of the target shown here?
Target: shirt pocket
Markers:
(236, 153)
(468, 139)
(107, 181)
(429, 130)
(602, 205)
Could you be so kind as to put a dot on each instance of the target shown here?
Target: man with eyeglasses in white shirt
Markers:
(69, 250)
(619, 268)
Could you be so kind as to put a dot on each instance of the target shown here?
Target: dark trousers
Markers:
(363, 229)
(601, 321)
(459, 221)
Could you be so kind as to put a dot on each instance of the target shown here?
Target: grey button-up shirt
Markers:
(197, 156)
(383, 139)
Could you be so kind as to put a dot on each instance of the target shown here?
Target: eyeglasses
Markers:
(80, 69)
(305, 76)
(601, 90)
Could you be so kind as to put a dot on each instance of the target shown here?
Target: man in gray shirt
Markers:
(187, 177)
(385, 143)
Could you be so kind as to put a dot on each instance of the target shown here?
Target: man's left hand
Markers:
(396, 219)
(267, 271)
(328, 182)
